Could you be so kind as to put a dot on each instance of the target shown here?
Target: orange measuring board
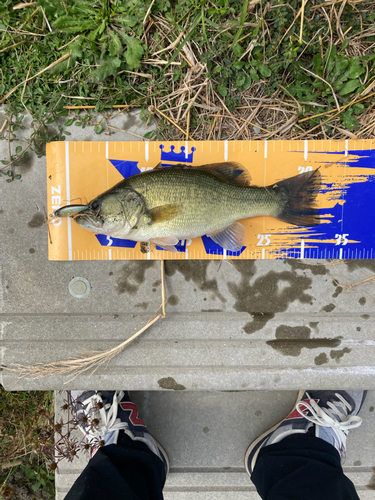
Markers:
(79, 171)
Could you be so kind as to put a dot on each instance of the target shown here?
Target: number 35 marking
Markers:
(264, 239)
(341, 239)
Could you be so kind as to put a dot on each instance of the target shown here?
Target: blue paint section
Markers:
(126, 168)
(180, 157)
(213, 248)
(108, 241)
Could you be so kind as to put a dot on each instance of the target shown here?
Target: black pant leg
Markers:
(128, 470)
(301, 467)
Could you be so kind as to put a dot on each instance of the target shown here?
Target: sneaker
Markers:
(102, 414)
(324, 414)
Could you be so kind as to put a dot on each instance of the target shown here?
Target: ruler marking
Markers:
(225, 150)
(69, 221)
(146, 151)
(306, 149)
(340, 257)
(302, 249)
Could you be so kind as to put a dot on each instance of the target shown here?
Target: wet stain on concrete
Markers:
(23, 165)
(357, 463)
(317, 270)
(258, 298)
(329, 308)
(321, 359)
(211, 310)
(156, 283)
(314, 324)
(173, 300)
(37, 220)
(142, 305)
(205, 430)
(11, 231)
(353, 265)
(1, 211)
(371, 409)
(339, 290)
(132, 275)
(290, 340)
(170, 383)
(258, 413)
(365, 316)
(131, 121)
(371, 484)
(358, 328)
(195, 271)
(110, 273)
(154, 289)
(31, 250)
(337, 355)
(362, 301)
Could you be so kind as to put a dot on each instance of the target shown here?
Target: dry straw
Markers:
(89, 360)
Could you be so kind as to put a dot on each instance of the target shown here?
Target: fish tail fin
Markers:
(297, 196)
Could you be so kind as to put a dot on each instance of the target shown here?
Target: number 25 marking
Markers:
(341, 239)
(264, 239)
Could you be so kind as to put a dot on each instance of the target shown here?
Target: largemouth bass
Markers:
(165, 205)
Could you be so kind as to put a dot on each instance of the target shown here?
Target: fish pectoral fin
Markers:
(164, 213)
(167, 243)
(231, 238)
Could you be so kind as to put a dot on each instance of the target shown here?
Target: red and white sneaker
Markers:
(102, 414)
(328, 415)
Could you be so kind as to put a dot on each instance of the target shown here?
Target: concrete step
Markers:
(265, 325)
(246, 325)
(206, 435)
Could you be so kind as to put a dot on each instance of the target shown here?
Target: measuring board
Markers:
(79, 171)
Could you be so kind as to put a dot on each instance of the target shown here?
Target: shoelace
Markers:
(336, 417)
(107, 415)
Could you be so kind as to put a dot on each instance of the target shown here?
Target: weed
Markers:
(306, 64)
(27, 440)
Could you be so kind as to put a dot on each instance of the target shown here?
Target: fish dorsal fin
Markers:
(179, 166)
(233, 172)
(164, 213)
(232, 238)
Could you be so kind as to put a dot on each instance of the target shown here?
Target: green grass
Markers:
(26, 443)
(116, 53)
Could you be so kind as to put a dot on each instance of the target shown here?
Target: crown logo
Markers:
(183, 157)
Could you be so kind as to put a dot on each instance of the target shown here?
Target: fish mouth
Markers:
(89, 219)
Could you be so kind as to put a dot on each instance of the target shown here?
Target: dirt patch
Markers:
(170, 383)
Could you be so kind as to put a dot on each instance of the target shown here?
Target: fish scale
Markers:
(208, 203)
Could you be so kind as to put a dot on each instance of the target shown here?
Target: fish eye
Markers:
(95, 205)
